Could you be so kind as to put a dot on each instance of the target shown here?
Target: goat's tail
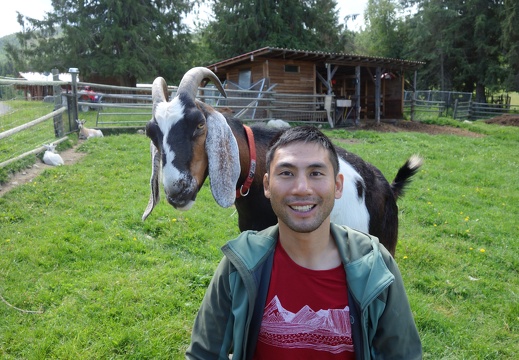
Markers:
(403, 177)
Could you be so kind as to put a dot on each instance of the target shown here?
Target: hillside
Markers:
(8, 39)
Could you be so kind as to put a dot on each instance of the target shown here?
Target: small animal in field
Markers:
(87, 133)
(50, 157)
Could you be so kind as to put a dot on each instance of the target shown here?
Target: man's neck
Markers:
(315, 250)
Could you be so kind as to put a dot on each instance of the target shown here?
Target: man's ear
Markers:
(266, 185)
(339, 183)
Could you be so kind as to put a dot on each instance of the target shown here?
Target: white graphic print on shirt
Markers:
(324, 330)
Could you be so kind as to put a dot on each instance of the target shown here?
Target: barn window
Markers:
(291, 68)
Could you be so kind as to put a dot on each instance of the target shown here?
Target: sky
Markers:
(37, 9)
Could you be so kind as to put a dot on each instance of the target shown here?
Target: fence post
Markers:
(58, 119)
(414, 96)
(412, 106)
(74, 72)
(455, 111)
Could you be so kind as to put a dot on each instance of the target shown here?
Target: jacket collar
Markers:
(366, 271)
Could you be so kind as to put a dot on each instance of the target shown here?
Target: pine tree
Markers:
(461, 43)
(242, 26)
(129, 39)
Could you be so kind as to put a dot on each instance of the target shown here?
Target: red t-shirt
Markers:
(306, 315)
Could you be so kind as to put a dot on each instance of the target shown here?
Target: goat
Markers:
(50, 157)
(86, 133)
(190, 140)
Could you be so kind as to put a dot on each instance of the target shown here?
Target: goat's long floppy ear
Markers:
(159, 93)
(154, 181)
(224, 159)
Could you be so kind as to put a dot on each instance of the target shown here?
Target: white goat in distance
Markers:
(86, 133)
(50, 157)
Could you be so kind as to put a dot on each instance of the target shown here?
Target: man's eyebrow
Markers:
(286, 164)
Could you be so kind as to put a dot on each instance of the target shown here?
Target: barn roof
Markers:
(319, 57)
(36, 76)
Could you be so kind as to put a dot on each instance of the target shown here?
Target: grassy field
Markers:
(102, 284)
(19, 113)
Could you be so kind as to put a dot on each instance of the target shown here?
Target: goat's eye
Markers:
(199, 130)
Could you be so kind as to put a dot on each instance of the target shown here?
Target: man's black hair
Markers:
(305, 134)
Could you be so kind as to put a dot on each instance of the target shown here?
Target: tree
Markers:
(460, 41)
(242, 26)
(511, 43)
(381, 36)
(128, 40)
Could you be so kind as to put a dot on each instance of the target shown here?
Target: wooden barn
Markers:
(40, 84)
(345, 87)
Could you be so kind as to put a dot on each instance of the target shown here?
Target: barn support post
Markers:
(378, 74)
(357, 95)
(329, 78)
(58, 119)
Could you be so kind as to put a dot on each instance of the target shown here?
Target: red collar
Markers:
(244, 189)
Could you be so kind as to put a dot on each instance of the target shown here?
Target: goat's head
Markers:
(50, 147)
(190, 140)
(80, 123)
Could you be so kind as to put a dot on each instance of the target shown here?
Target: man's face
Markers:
(302, 187)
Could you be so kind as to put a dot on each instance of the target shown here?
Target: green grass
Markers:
(112, 286)
(22, 112)
(514, 97)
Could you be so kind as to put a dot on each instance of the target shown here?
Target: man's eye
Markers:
(285, 173)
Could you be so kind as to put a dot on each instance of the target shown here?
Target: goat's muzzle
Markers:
(181, 205)
(181, 194)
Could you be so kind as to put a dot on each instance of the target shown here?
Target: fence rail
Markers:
(479, 111)
(461, 110)
(419, 109)
(109, 106)
(112, 107)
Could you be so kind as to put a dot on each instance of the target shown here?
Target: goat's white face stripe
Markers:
(167, 114)
(351, 210)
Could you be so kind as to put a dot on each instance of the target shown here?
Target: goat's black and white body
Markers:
(191, 140)
(352, 201)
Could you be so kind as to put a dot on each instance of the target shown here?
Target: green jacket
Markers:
(230, 316)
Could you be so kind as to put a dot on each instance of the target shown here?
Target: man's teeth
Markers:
(302, 208)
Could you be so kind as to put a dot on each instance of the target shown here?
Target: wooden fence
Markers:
(462, 110)
(134, 109)
(476, 111)
(113, 107)
(422, 109)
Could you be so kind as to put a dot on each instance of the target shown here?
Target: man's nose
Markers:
(301, 185)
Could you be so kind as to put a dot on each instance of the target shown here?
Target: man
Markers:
(305, 288)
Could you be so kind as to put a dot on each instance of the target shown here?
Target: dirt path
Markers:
(70, 156)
